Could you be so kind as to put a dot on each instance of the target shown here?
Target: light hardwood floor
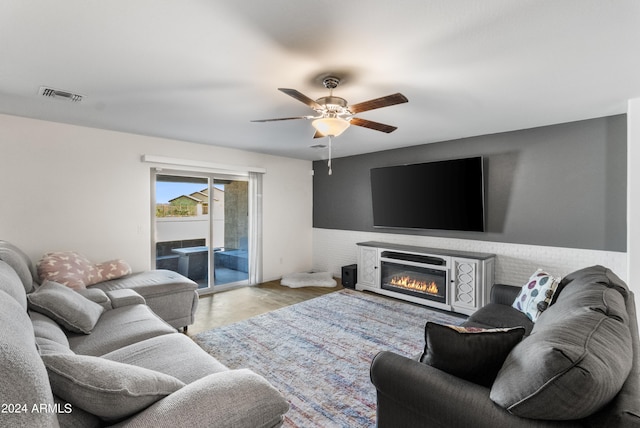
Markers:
(215, 310)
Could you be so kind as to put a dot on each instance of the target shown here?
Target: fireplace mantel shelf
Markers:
(427, 250)
(466, 277)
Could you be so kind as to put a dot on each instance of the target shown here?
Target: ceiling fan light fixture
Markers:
(330, 126)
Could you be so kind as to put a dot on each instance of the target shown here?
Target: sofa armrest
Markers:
(411, 393)
(234, 398)
(504, 294)
(97, 296)
(125, 297)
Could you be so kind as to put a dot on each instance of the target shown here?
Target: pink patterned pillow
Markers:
(113, 269)
(76, 271)
(68, 268)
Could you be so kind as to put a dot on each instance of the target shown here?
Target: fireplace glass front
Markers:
(418, 281)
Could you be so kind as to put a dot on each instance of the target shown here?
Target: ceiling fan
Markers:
(335, 115)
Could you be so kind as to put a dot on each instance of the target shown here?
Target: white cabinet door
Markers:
(368, 267)
(465, 290)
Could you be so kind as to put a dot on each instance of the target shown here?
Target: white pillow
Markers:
(535, 296)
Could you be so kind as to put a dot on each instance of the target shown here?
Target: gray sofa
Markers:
(577, 366)
(171, 296)
(96, 358)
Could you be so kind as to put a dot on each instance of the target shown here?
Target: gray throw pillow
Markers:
(105, 388)
(66, 307)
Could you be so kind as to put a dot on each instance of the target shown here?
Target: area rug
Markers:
(318, 352)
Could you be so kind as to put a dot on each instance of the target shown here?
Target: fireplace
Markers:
(415, 275)
(457, 281)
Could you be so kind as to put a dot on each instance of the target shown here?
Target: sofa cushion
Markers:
(23, 377)
(170, 295)
(118, 328)
(106, 388)
(68, 308)
(46, 328)
(535, 296)
(97, 296)
(474, 354)
(20, 262)
(596, 274)
(161, 353)
(49, 335)
(48, 346)
(124, 297)
(496, 315)
(11, 284)
(576, 358)
(151, 283)
(75, 417)
(234, 398)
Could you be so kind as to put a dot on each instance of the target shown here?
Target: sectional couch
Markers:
(173, 297)
(93, 358)
(577, 366)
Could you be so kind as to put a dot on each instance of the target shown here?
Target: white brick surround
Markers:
(515, 263)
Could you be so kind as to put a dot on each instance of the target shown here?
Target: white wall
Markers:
(633, 197)
(65, 187)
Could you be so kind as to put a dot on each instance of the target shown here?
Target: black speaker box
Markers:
(349, 276)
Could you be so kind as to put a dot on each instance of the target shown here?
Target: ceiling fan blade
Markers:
(283, 118)
(373, 125)
(302, 98)
(387, 101)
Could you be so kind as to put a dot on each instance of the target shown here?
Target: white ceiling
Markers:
(200, 70)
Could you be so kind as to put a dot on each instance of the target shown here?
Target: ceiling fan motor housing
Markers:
(331, 82)
(333, 104)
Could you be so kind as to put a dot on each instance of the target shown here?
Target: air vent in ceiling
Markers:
(58, 94)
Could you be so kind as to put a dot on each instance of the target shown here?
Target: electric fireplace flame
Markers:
(409, 283)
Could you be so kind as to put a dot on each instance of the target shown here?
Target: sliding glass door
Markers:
(201, 227)
(231, 231)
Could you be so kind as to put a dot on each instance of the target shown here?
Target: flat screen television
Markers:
(446, 195)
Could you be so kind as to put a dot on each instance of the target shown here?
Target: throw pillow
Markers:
(105, 388)
(536, 294)
(66, 307)
(112, 269)
(76, 271)
(470, 353)
(67, 268)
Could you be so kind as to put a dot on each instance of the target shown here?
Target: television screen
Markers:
(445, 195)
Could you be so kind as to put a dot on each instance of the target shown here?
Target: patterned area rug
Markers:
(318, 352)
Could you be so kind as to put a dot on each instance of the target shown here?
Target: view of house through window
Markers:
(201, 228)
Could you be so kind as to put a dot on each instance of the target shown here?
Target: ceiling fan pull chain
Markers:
(329, 163)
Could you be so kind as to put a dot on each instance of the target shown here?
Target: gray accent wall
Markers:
(561, 185)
